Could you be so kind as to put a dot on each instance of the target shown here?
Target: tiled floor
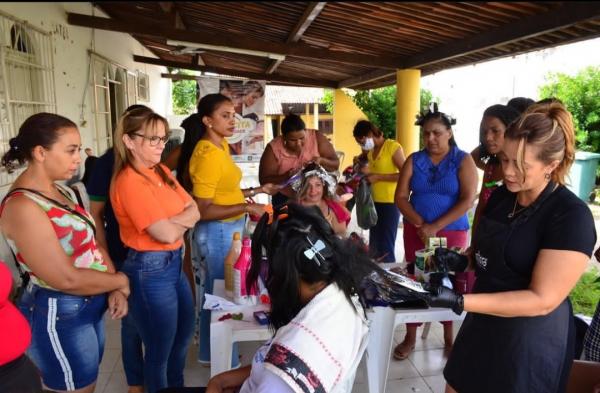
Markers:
(421, 372)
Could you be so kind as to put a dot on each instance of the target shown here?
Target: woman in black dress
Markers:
(531, 246)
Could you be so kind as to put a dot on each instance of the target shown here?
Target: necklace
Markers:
(511, 215)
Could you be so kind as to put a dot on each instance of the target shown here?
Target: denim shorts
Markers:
(67, 336)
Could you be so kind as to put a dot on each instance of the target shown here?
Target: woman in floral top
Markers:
(53, 240)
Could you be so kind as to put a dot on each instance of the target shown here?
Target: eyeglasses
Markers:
(153, 139)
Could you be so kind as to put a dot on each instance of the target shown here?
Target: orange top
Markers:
(141, 199)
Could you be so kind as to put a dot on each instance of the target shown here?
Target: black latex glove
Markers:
(448, 260)
(447, 298)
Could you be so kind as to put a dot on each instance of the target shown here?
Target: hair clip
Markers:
(315, 250)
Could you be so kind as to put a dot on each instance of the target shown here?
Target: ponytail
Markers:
(549, 127)
(194, 131)
(41, 129)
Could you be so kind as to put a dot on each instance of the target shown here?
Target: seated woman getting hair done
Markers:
(316, 187)
(312, 277)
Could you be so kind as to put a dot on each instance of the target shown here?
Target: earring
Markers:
(210, 126)
(547, 176)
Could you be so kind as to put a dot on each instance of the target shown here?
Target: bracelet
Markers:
(459, 306)
(252, 191)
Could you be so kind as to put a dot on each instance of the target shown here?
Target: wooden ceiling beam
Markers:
(243, 74)
(174, 17)
(313, 10)
(528, 27)
(233, 41)
(531, 26)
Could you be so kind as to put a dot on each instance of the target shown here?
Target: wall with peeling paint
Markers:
(71, 63)
(71, 60)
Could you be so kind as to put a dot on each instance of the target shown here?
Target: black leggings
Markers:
(20, 376)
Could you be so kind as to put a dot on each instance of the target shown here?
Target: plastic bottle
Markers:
(230, 259)
(241, 293)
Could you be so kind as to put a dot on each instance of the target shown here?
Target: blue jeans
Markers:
(67, 336)
(212, 241)
(132, 355)
(162, 311)
(382, 237)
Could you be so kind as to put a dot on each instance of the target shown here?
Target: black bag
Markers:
(366, 215)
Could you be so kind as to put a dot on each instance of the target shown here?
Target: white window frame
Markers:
(27, 83)
(143, 86)
(101, 91)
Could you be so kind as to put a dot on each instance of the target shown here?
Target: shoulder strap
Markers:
(24, 276)
(54, 202)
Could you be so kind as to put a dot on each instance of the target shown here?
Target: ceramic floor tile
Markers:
(247, 350)
(409, 385)
(359, 388)
(112, 339)
(196, 378)
(102, 380)
(401, 369)
(116, 384)
(110, 359)
(428, 363)
(436, 383)
(361, 372)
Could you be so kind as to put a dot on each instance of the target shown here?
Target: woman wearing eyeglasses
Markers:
(437, 186)
(154, 212)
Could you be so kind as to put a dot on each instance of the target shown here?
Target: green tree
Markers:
(581, 95)
(184, 94)
(380, 106)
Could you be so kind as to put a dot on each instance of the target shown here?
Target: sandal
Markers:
(403, 350)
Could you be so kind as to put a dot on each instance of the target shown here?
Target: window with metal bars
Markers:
(26, 79)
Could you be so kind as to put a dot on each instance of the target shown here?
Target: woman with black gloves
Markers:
(532, 244)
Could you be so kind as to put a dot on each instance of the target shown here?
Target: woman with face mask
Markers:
(285, 155)
(386, 158)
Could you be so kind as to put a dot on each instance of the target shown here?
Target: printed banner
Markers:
(247, 142)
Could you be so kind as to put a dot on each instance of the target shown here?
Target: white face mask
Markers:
(369, 144)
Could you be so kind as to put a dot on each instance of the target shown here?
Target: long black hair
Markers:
(194, 131)
(284, 242)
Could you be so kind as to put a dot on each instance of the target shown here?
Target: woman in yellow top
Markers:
(215, 182)
(385, 161)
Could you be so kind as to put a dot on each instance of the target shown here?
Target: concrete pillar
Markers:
(345, 116)
(408, 87)
(316, 116)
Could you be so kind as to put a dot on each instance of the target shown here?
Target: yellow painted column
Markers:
(345, 116)
(408, 87)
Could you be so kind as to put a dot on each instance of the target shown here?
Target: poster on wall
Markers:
(248, 97)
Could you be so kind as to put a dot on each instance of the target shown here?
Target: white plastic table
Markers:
(224, 333)
(383, 323)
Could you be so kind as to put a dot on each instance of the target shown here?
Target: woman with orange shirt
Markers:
(154, 212)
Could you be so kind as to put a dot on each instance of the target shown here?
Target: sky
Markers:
(466, 92)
